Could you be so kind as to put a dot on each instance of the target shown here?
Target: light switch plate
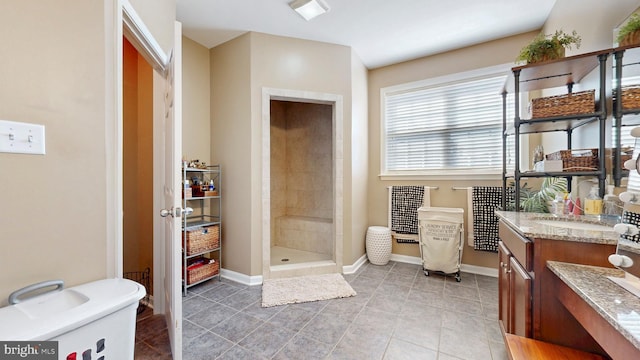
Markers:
(21, 138)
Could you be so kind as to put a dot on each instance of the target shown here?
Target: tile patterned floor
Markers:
(398, 314)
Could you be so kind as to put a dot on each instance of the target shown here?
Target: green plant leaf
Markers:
(548, 46)
(632, 25)
(550, 187)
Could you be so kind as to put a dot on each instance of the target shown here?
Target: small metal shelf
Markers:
(212, 168)
(202, 197)
(552, 74)
(558, 174)
(558, 123)
(209, 214)
(194, 224)
(202, 253)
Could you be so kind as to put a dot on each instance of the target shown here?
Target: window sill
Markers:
(441, 175)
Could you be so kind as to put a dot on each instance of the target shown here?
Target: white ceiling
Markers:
(381, 32)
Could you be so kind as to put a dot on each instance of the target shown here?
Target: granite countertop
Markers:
(537, 225)
(616, 305)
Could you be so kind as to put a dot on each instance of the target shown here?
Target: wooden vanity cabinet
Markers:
(527, 301)
(515, 295)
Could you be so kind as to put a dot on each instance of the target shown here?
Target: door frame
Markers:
(126, 22)
(337, 104)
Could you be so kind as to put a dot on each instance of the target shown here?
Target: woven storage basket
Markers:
(202, 272)
(201, 239)
(631, 97)
(576, 159)
(582, 102)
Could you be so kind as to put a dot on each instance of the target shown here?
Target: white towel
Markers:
(470, 216)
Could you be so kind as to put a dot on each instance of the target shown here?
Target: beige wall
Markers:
(358, 161)
(475, 57)
(293, 64)
(54, 207)
(241, 68)
(594, 21)
(231, 147)
(196, 102)
(159, 17)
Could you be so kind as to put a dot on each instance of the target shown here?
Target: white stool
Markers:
(378, 245)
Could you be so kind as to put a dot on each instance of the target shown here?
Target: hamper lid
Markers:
(45, 316)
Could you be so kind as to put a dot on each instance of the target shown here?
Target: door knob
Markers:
(173, 212)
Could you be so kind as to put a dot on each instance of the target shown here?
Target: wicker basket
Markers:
(200, 239)
(631, 38)
(576, 159)
(569, 104)
(631, 97)
(202, 272)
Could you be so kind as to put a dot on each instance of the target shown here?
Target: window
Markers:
(444, 127)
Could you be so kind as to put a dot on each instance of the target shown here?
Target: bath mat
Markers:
(304, 289)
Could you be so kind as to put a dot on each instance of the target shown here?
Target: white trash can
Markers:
(378, 245)
(93, 320)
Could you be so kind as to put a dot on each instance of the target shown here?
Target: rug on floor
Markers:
(304, 289)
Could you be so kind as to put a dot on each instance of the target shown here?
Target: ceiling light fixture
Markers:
(309, 9)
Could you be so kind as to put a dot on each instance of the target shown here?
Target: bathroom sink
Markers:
(577, 225)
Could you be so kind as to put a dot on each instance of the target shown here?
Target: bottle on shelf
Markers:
(611, 205)
(577, 207)
(558, 205)
(593, 202)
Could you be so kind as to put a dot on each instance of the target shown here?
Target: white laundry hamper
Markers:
(95, 320)
(441, 239)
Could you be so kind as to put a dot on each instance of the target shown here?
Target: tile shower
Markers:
(301, 187)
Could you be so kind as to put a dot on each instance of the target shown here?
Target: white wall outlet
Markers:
(21, 138)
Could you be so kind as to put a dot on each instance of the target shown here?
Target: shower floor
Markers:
(278, 253)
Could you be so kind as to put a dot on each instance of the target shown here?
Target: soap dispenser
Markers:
(593, 202)
(611, 204)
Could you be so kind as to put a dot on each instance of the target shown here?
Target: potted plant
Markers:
(629, 33)
(540, 201)
(548, 47)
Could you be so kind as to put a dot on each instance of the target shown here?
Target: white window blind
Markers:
(626, 140)
(450, 126)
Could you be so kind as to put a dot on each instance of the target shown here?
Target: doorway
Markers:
(302, 183)
(137, 167)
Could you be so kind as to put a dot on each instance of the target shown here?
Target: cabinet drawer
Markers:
(520, 247)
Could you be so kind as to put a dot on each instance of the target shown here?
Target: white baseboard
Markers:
(351, 269)
(479, 270)
(241, 278)
(406, 259)
(473, 269)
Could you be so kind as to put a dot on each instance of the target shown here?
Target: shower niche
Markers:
(302, 186)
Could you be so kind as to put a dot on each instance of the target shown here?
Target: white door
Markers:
(172, 212)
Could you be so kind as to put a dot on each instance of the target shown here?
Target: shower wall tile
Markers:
(305, 233)
(301, 175)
